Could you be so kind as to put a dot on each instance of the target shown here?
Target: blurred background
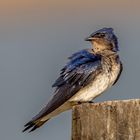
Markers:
(37, 36)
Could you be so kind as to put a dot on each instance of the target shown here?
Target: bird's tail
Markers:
(33, 125)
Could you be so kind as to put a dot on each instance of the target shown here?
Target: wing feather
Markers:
(82, 68)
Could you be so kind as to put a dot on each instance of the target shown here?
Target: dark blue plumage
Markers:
(103, 30)
(80, 64)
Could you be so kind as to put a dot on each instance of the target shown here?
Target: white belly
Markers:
(102, 82)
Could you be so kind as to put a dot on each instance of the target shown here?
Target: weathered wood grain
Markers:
(111, 120)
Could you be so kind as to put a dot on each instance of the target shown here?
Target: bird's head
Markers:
(103, 40)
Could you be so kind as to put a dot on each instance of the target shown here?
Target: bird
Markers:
(87, 74)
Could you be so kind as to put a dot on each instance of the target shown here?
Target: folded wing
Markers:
(78, 72)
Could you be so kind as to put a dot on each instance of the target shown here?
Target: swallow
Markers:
(87, 74)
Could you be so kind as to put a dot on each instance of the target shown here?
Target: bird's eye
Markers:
(100, 35)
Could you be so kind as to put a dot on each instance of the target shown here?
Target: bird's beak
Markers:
(89, 39)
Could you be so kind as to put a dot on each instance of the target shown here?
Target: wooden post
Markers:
(111, 120)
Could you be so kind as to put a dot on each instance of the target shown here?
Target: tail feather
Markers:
(33, 125)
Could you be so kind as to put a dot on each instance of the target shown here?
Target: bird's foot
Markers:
(80, 102)
(90, 102)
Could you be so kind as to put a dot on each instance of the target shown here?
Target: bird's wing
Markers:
(78, 72)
